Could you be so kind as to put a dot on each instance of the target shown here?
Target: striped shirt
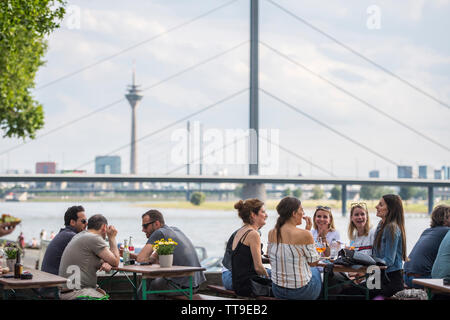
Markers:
(289, 263)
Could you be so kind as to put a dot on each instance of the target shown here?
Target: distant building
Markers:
(108, 165)
(374, 174)
(446, 172)
(425, 172)
(438, 174)
(46, 167)
(12, 171)
(404, 172)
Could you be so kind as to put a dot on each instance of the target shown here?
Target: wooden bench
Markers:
(232, 294)
(199, 297)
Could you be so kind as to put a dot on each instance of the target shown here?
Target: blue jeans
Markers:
(311, 291)
(408, 281)
(227, 279)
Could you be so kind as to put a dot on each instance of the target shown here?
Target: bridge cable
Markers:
(172, 124)
(109, 105)
(377, 65)
(329, 127)
(371, 106)
(135, 45)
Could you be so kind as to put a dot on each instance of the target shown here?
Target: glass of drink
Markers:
(320, 246)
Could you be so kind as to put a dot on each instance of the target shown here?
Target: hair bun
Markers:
(239, 205)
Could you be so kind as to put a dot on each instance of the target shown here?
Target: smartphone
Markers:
(8, 276)
(145, 263)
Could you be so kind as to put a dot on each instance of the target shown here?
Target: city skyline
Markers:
(408, 43)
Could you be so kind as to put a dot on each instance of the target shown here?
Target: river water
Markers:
(208, 229)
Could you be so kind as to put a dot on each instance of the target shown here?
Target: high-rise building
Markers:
(446, 172)
(46, 167)
(404, 172)
(108, 165)
(374, 174)
(425, 172)
(438, 174)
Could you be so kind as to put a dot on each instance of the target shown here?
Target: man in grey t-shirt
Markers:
(154, 227)
(85, 254)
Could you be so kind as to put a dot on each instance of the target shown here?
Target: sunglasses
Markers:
(359, 204)
(147, 224)
(323, 208)
(83, 221)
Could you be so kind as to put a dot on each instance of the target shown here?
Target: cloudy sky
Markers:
(338, 131)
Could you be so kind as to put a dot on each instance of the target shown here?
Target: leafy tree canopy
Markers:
(23, 27)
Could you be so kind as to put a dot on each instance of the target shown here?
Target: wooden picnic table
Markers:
(341, 268)
(155, 271)
(433, 285)
(40, 279)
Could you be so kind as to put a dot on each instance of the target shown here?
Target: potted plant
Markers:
(11, 251)
(164, 249)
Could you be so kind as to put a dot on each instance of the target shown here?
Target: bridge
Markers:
(343, 182)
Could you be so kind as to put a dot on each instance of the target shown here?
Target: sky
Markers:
(90, 59)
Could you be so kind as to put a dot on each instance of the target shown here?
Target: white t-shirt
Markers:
(331, 235)
(364, 244)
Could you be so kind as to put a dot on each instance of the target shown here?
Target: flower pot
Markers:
(10, 264)
(166, 260)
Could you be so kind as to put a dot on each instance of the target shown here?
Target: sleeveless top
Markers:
(289, 263)
(243, 268)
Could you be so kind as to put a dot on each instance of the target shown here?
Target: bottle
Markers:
(335, 246)
(130, 247)
(18, 267)
(126, 253)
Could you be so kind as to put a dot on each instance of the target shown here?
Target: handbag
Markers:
(261, 286)
(348, 258)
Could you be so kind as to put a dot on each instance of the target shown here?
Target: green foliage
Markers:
(287, 192)
(421, 193)
(336, 193)
(297, 193)
(317, 193)
(373, 192)
(406, 193)
(197, 198)
(238, 191)
(23, 26)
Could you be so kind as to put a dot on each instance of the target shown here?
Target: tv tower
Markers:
(133, 98)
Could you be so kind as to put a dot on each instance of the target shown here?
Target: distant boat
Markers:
(14, 197)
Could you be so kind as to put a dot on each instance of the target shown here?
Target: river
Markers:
(208, 229)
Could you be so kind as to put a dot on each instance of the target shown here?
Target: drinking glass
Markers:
(320, 246)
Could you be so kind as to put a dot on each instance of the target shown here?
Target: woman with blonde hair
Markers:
(360, 233)
(324, 228)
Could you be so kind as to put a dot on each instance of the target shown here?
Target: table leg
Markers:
(135, 286)
(190, 288)
(144, 289)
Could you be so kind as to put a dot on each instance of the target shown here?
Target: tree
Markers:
(197, 198)
(336, 193)
(406, 193)
(297, 193)
(23, 26)
(317, 193)
(287, 192)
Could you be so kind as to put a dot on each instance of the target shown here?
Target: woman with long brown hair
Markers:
(292, 253)
(390, 243)
(246, 258)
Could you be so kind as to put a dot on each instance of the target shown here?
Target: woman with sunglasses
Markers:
(324, 229)
(360, 233)
(245, 254)
(390, 244)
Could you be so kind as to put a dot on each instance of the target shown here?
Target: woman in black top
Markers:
(246, 260)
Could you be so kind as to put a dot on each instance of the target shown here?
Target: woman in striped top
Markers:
(292, 253)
